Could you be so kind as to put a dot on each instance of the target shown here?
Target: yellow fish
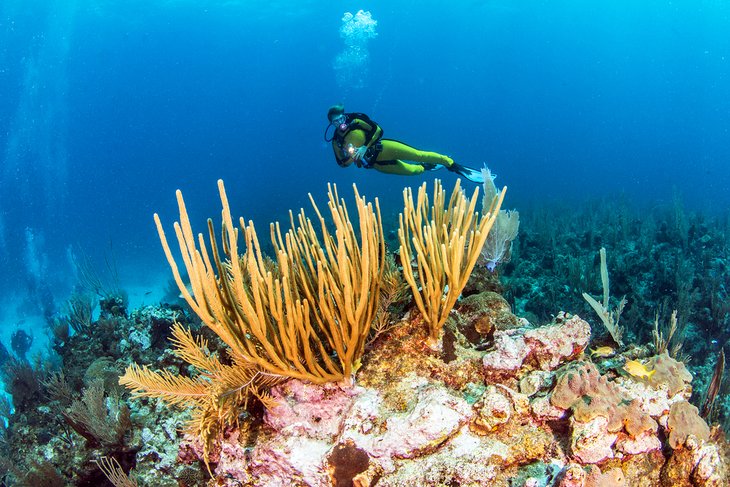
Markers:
(604, 351)
(637, 369)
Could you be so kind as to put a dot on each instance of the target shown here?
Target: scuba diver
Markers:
(358, 139)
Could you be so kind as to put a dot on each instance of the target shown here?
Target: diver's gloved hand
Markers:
(360, 153)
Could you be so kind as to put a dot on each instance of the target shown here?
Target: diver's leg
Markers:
(399, 167)
(393, 150)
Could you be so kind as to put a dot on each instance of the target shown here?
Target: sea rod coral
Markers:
(308, 318)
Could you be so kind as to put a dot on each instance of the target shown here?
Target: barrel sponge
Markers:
(583, 390)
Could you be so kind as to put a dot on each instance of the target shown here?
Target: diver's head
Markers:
(338, 120)
(336, 114)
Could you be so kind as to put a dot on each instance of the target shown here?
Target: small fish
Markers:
(637, 369)
(602, 352)
(189, 288)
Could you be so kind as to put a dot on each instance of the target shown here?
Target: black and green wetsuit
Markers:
(385, 155)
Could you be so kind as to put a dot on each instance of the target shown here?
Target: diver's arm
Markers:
(376, 135)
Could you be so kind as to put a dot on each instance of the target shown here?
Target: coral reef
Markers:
(76, 416)
(543, 414)
(508, 396)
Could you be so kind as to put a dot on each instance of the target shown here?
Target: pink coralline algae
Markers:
(510, 352)
(545, 348)
(436, 417)
(591, 441)
(535, 411)
(281, 461)
(323, 416)
(305, 409)
(574, 475)
(554, 344)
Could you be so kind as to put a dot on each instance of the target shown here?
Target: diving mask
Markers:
(340, 122)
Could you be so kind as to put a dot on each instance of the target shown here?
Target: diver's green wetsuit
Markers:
(392, 159)
(385, 155)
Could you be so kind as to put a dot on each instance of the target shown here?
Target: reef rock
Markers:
(533, 411)
(519, 351)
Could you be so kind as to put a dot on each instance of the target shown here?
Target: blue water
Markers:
(107, 107)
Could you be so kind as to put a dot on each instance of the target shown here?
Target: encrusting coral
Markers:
(684, 420)
(588, 395)
(575, 427)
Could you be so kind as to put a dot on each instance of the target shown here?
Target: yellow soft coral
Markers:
(448, 239)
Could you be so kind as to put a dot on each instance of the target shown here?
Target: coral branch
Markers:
(447, 240)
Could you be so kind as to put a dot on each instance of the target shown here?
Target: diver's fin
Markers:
(471, 174)
(429, 166)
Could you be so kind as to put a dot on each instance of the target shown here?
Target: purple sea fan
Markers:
(498, 246)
